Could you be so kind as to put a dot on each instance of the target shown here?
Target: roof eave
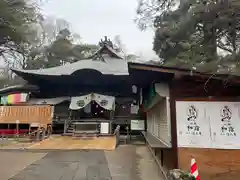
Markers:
(19, 88)
(178, 72)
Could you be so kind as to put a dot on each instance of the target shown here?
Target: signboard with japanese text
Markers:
(138, 125)
(208, 124)
(104, 129)
(192, 125)
(225, 124)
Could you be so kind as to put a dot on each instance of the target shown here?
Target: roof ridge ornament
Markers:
(106, 41)
(107, 47)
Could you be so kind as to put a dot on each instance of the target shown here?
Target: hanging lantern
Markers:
(134, 89)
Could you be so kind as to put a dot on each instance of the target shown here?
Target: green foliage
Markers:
(60, 51)
(30, 41)
(178, 174)
(202, 35)
(16, 20)
(59, 48)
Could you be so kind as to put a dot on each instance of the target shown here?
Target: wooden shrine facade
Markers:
(200, 120)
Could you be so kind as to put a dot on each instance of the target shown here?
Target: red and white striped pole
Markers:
(194, 169)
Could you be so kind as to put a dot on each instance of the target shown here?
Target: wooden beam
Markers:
(180, 73)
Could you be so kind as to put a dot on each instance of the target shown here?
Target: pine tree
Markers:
(198, 34)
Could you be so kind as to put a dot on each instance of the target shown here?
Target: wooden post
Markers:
(110, 127)
(17, 128)
(65, 126)
(127, 139)
(110, 118)
(29, 129)
(162, 157)
(2, 140)
(43, 133)
(38, 134)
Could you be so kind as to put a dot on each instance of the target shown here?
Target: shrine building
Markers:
(181, 113)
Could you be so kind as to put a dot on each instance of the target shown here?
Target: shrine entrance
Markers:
(91, 111)
(90, 114)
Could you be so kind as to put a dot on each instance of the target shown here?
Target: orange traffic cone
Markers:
(194, 169)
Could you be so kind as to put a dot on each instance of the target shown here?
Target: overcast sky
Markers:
(93, 19)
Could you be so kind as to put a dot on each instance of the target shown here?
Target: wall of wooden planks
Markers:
(166, 158)
(41, 114)
(193, 87)
(213, 164)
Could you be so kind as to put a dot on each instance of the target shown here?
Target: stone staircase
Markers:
(73, 131)
(69, 129)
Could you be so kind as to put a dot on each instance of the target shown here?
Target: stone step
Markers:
(67, 134)
(70, 131)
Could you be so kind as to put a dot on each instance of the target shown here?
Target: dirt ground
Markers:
(61, 143)
(70, 143)
(126, 162)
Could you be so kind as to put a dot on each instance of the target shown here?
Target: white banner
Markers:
(138, 125)
(79, 102)
(106, 102)
(225, 124)
(193, 129)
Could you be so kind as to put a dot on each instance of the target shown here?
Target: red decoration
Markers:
(194, 169)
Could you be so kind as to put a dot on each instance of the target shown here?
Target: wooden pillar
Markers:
(29, 129)
(38, 134)
(173, 124)
(110, 122)
(65, 126)
(162, 157)
(17, 128)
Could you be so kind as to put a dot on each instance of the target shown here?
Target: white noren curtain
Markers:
(80, 102)
(106, 102)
